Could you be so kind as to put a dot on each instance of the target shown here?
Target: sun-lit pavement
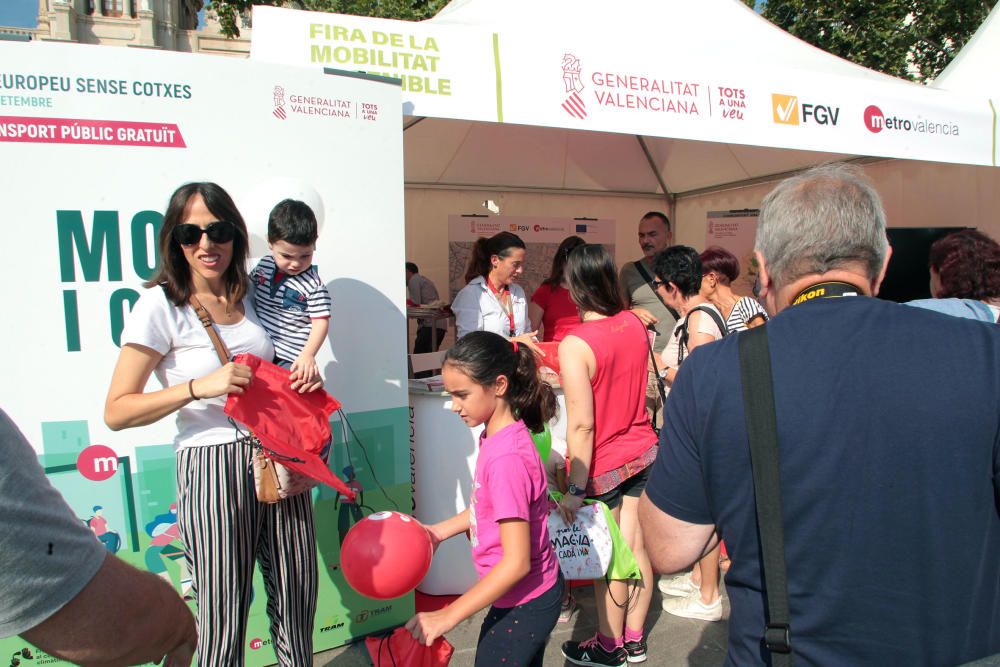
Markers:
(672, 641)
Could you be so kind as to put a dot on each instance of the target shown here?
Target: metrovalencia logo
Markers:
(876, 121)
(787, 110)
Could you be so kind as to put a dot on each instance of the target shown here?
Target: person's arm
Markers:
(696, 336)
(675, 512)
(443, 530)
(468, 317)
(515, 563)
(536, 314)
(122, 617)
(127, 405)
(304, 367)
(644, 315)
(576, 363)
(672, 544)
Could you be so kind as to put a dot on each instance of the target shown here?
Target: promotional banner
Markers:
(445, 72)
(735, 231)
(94, 141)
(579, 75)
(588, 83)
(542, 237)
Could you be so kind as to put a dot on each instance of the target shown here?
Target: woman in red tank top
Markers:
(610, 442)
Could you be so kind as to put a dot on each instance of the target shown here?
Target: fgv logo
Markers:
(788, 111)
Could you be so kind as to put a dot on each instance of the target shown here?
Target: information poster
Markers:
(542, 237)
(735, 231)
(95, 144)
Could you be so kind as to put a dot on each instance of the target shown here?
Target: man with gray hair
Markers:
(888, 451)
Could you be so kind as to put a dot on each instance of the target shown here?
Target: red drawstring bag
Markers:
(400, 649)
(293, 428)
(551, 358)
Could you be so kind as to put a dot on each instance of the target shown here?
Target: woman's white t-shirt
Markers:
(706, 325)
(188, 353)
(477, 308)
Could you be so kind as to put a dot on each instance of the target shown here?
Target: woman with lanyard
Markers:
(492, 301)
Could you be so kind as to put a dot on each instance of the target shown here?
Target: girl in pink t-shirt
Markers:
(495, 383)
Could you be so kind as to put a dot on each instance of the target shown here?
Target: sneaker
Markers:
(692, 607)
(566, 609)
(679, 586)
(636, 651)
(590, 652)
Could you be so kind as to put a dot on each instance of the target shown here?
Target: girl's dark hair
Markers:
(484, 356)
(721, 261)
(567, 246)
(680, 265)
(174, 273)
(968, 263)
(593, 280)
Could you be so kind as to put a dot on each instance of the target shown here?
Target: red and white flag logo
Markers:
(279, 103)
(573, 104)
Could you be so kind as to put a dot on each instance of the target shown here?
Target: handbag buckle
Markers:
(778, 638)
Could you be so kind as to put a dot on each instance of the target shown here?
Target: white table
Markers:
(443, 454)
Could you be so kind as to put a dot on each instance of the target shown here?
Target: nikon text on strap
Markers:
(827, 290)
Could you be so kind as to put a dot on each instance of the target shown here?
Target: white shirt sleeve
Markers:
(468, 314)
(148, 324)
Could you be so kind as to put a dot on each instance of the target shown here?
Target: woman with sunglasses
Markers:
(204, 246)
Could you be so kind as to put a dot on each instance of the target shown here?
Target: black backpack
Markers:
(682, 332)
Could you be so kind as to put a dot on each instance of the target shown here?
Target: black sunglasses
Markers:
(220, 231)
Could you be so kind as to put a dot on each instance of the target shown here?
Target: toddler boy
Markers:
(292, 302)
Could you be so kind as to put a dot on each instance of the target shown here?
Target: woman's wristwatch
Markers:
(574, 490)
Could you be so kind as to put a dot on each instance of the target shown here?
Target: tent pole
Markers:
(670, 198)
(413, 121)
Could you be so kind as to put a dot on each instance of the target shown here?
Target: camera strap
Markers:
(762, 431)
(827, 290)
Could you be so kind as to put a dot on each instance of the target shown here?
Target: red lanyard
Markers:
(502, 295)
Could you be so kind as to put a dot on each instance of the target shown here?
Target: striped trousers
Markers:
(224, 530)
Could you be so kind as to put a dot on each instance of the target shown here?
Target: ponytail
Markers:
(479, 262)
(533, 401)
(484, 356)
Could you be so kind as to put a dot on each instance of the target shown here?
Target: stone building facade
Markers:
(155, 24)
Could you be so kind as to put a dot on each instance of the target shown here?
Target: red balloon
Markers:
(386, 555)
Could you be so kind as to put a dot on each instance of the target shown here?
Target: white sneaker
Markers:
(692, 607)
(678, 586)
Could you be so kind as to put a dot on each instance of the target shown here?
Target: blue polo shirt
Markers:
(889, 438)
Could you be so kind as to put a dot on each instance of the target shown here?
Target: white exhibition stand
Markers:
(443, 455)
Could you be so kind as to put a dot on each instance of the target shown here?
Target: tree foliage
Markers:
(229, 11)
(912, 39)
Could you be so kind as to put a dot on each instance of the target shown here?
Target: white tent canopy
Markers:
(974, 69)
(513, 64)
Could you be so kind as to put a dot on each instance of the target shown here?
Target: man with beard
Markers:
(641, 296)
